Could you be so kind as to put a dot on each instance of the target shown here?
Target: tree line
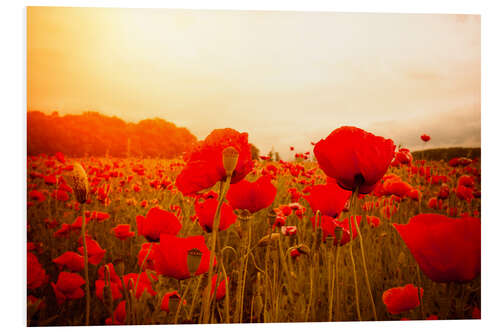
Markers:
(94, 134)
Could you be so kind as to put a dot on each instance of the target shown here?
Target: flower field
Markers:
(356, 229)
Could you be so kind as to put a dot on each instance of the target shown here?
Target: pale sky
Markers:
(286, 78)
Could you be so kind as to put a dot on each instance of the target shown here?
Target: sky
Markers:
(286, 78)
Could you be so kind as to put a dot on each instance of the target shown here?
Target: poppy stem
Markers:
(354, 273)
(419, 277)
(363, 259)
(215, 229)
(142, 266)
(86, 270)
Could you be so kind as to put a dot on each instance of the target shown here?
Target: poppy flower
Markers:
(205, 211)
(425, 137)
(36, 275)
(173, 253)
(464, 193)
(171, 301)
(157, 222)
(114, 286)
(401, 299)
(252, 196)
(94, 251)
(63, 231)
(289, 230)
(295, 254)
(112, 272)
(355, 158)
(144, 283)
(204, 163)
(446, 249)
(68, 287)
(373, 221)
(398, 187)
(122, 231)
(72, 260)
(120, 314)
(37, 196)
(466, 181)
(141, 256)
(220, 291)
(50, 180)
(476, 313)
(444, 192)
(329, 199)
(403, 156)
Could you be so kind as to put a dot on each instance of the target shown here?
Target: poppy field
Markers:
(355, 229)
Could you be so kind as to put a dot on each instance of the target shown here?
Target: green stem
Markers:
(86, 270)
(215, 229)
(363, 257)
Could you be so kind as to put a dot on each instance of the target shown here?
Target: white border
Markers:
(13, 92)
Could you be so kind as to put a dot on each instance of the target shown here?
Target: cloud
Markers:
(460, 127)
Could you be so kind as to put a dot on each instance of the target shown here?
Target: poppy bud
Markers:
(271, 217)
(303, 248)
(79, 183)
(338, 233)
(119, 266)
(230, 160)
(173, 303)
(194, 260)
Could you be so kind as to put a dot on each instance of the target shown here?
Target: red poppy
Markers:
(289, 230)
(221, 288)
(252, 196)
(157, 222)
(206, 212)
(397, 187)
(113, 276)
(373, 221)
(425, 137)
(35, 273)
(37, 196)
(295, 254)
(144, 283)
(68, 287)
(466, 181)
(464, 193)
(72, 260)
(122, 231)
(50, 180)
(60, 157)
(171, 256)
(329, 199)
(403, 156)
(355, 158)
(401, 299)
(446, 249)
(204, 164)
(63, 231)
(94, 251)
(476, 313)
(444, 192)
(120, 314)
(114, 286)
(141, 256)
(171, 301)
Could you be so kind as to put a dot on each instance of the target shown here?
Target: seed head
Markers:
(230, 159)
(79, 183)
